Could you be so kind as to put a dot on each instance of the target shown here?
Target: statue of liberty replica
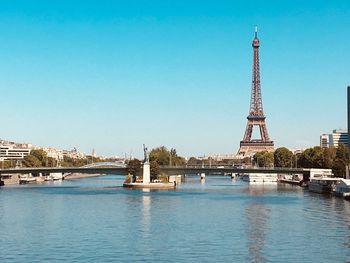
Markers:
(146, 176)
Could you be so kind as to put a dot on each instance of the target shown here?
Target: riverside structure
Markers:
(349, 116)
(170, 170)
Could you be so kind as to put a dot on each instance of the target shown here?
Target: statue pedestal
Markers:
(146, 177)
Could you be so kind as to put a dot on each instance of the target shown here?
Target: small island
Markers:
(133, 182)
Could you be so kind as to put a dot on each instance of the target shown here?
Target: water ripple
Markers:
(96, 220)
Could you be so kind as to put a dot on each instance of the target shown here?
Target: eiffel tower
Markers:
(256, 117)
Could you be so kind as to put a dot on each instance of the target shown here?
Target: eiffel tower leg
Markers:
(248, 132)
(263, 132)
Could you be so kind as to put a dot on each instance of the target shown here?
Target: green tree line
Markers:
(316, 157)
(39, 158)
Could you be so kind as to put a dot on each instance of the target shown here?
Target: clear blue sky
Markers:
(112, 75)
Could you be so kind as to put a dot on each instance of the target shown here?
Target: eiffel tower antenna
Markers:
(256, 117)
(256, 31)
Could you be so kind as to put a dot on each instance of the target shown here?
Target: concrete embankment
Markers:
(74, 176)
(294, 182)
(10, 179)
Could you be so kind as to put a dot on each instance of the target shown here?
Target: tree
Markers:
(305, 159)
(178, 161)
(154, 167)
(313, 158)
(5, 164)
(342, 152)
(318, 157)
(161, 155)
(165, 157)
(338, 168)
(283, 157)
(41, 155)
(194, 161)
(247, 161)
(264, 159)
(31, 161)
(134, 166)
(329, 156)
(51, 162)
(340, 161)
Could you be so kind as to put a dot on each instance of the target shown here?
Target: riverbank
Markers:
(75, 176)
(14, 179)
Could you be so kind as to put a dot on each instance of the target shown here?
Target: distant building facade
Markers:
(334, 139)
(74, 154)
(14, 151)
(54, 153)
(339, 137)
(325, 140)
(349, 116)
(219, 157)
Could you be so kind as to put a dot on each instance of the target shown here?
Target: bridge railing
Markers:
(106, 164)
(232, 169)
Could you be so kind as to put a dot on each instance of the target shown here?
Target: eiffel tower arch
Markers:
(256, 117)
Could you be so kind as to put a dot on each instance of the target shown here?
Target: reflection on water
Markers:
(146, 213)
(257, 216)
(261, 188)
(258, 189)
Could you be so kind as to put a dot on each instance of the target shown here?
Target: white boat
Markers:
(343, 188)
(260, 178)
(27, 179)
(48, 178)
(323, 184)
(56, 176)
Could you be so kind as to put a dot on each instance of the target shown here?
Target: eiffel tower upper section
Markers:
(256, 107)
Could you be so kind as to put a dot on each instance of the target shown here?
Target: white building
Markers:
(74, 154)
(325, 140)
(339, 137)
(335, 139)
(218, 157)
(54, 153)
(14, 151)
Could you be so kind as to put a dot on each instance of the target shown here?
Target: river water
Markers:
(216, 220)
